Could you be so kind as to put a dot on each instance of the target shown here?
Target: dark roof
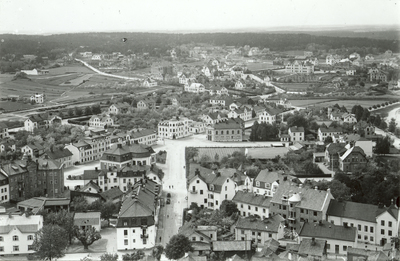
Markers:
(312, 247)
(331, 129)
(334, 148)
(90, 174)
(252, 199)
(86, 218)
(270, 224)
(134, 150)
(327, 230)
(58, 154)
(229, 124)
(296, 129)
(112, 193)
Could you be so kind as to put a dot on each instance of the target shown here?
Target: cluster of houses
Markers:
(277, 207)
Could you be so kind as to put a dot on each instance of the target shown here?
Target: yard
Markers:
(221, 152)
(17, 105)
(78, 68)
(385, 111)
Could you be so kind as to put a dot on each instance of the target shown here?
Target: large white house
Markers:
(209, 190)
(17, 233)
(38, 98)
(41, 120)
(376, 225)
(100, 121)
(174, 128)
(195, 88)
(136, 225)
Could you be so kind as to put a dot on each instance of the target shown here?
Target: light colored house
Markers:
(41, 120)
(34, 150)
(209, 190)
(299, 67)
(240, 84)
(136, 224)
(267, 182)
(332, 59)
(197, 127)
(213, 118)
(4, 131)
(375, 225)
(252, 204)
(224, 101)
(62, 156)
(323, 133)
(118, 108)
(338, 238)
(349, 118)
(259, 231)
(195, 88)
(144, 136)
(200, 237)
(300, 204)
(18, 233)
(269, 115)
(131, 154)
(86, 220)
(100, 121)
(228, 130)
(296, 133)
(351, 72)
(174, 128)
(243, 113)
(89, 148)
(37, 98)
(149, 83)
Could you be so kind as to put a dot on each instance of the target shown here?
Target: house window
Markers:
(241, 205)
(125, 224)
(371, 238)
(30, 237)
(30, 247)
(365, 238)
(328, 246)
(371, 229)
(201, 192)
(1, 249)
(15, 248)
(125, 232)
(382, 222)
(193, 238)
(365, 228)
(359, 227)
(390, 224)
(1, 239)
(242, 231)
(253, 233)
(216, 202)
(390, 233)
(344, 248)
(382, 231)
(133, 231)
(126, 242)
(359, 236)
(249, 207)
(315, 213)
(15, 238)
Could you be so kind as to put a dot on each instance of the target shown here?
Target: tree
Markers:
(50, 242)
(70, 112)
(107, 210)
(392, 125)
(177, 246)
(79, 204)
(157, 252)
(88, 110)
(377, 120)
(383, 145)
(96, 109)
(328, 140)
(297, 120)
(216, 157)
(191, 153)
(228, 207)
(78, 111)
(87, 236)
(63, 219)
(340, 191)
(109, 257)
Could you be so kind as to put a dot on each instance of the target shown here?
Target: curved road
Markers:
(106, 74)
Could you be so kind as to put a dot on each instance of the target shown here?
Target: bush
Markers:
(374, 106)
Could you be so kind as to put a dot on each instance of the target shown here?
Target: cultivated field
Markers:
(330, 102)
(17, 105)
(295, 87)
(385, 111)
(78, 68)
(222, 152)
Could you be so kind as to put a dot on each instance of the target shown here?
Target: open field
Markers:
(77, 81)
(26, 88)
(222, 152)
(330, 102)
(304, 103)
(79, 68)
(17, 105)
(55, 80)
(265, 65)
(294, 86)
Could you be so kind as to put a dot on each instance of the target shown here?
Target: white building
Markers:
(37, 98)
(17, 233)
(208, 191)
(376, 225)
(195, 88)
(100, 121)
(323, 133)
(269, 115)
(252, 204)
(174, 128)
(296, 133)
(136, 225)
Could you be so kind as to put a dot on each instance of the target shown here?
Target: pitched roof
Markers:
(268, 176)
(354, 149)
(231, 245)
(312, 247)
(252, 199)
(58, 154)
(270, 224)
(353, 210)
(328, 230)
(334, 148)
(310, 199)
(331, 129)
(86, 218)
(296, 129)
(140, 205)
(112, 193)
(229, 124)
(90, 174)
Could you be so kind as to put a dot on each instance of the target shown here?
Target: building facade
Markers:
(174, 128)
(228, 130)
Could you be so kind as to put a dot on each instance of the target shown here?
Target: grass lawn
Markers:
(222, 152)
(56, 80)
(79, 68)
(77, 247)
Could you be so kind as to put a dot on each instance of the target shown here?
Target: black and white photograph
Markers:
(188, 130)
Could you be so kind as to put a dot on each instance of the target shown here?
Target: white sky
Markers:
(61, 16)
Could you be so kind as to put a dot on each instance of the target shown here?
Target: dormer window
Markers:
(257, 183)
(211, 187)
(267, 185)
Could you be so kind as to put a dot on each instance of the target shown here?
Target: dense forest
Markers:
(155, 43)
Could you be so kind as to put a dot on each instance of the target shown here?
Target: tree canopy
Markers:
(50, 242)
(177, 246)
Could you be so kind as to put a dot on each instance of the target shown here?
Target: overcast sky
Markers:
(62, 16)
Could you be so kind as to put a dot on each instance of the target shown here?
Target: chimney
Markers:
(95, 168)
(218, 174)
(328, 190)
(300, 185)
(313, 241)
(316, 188)
(119, 145)
(197, 172)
